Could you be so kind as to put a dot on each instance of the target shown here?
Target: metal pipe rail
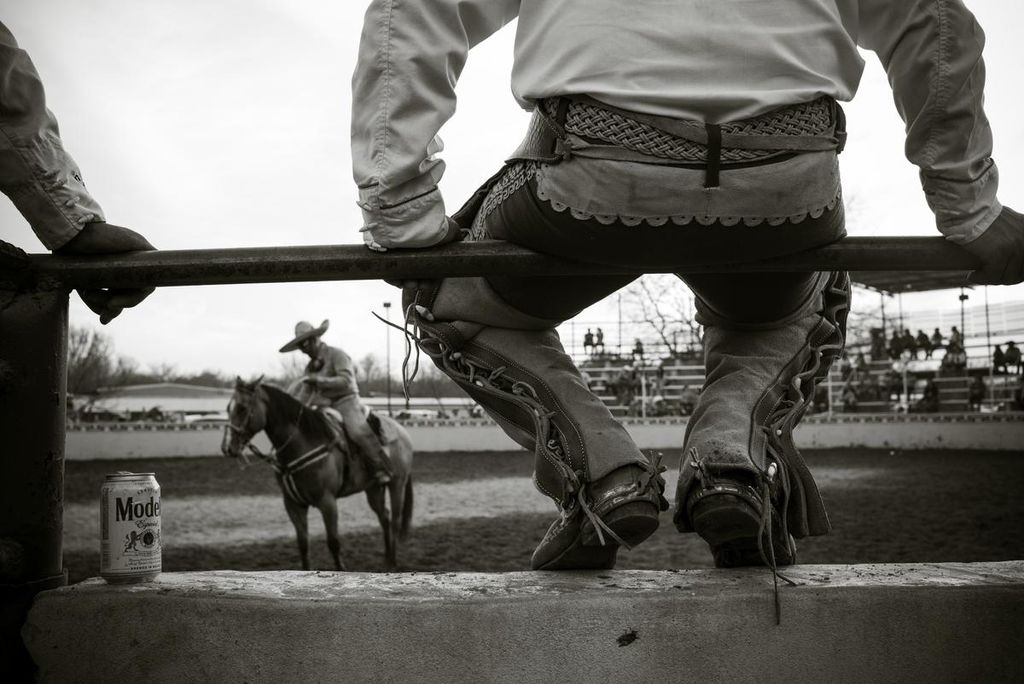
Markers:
(164, 268)
(33, 352)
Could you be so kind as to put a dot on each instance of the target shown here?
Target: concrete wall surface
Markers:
(864, 623)
(883, 431)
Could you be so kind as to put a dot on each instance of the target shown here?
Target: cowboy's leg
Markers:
(360, 432)
(769, 338)
(495, 337)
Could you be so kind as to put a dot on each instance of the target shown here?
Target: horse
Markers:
(315, 464)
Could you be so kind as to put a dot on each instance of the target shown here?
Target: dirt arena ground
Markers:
(480, 512)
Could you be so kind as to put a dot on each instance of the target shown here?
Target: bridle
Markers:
(246, 438)
(286, 471)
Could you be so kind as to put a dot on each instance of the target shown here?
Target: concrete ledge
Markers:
(935, 623)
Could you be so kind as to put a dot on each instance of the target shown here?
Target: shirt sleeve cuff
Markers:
(54, 200)
(419, 222)
(963, 209)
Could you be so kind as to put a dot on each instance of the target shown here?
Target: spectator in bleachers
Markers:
(869, 389)
(956, 338)
(849, 397)
(588, 342)
(877, 344)
(687, 400)
(893, 386)
(658, 382)
(895, 345)
(998, 361)
(924, 343)
(820, 404)
(1013, 357)
(626, 384)
(954, 363)
(929, 402)
(937, 340)
(976, 393)
(845, 367)
(909, 343)
(599, 340)
(638, 351)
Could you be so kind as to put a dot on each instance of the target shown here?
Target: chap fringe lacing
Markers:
(495, 380)
(799, 394)
(764, 531)
(411, 341)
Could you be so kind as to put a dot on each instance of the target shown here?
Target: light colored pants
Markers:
(360, 432)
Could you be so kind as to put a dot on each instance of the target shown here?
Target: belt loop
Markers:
(839, 119)
(714, 159)
(561, 111)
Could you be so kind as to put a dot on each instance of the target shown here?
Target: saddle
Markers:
(385, 432)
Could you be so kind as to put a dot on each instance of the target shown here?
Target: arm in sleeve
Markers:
(342, 378)
(932, 53)
(410, 56)
(37, 174)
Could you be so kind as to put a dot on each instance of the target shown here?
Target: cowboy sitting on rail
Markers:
(330, 380)
(665, 134)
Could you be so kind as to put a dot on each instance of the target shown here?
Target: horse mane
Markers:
(312, 423)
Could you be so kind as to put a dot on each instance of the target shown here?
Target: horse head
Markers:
(247, 416)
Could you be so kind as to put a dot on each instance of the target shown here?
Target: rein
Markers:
(247, 439)
(288, 470)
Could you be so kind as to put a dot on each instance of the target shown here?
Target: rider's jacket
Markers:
(335, 375)
(37, 174)
(704, 60)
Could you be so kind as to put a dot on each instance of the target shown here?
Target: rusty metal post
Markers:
(33, 366)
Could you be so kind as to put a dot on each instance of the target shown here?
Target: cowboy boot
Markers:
(373, 452)
(743, 486)
(608, 494)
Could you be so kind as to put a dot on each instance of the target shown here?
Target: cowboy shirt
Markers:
(703, 60)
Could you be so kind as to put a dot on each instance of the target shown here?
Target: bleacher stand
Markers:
(926, 380)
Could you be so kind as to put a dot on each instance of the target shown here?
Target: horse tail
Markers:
(403, 531)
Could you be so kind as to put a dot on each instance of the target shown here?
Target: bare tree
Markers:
(90, 360)
(125, 372)
(163, 372)
(664, 306)
(293, 367)
(370, 365)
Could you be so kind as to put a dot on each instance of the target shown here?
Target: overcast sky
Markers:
(225, 124)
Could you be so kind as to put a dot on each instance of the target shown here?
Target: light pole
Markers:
(387, 351)
(619, 352)
(963, 334)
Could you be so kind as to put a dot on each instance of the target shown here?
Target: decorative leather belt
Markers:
(580, 125)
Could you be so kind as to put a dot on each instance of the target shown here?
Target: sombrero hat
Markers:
(303, 331)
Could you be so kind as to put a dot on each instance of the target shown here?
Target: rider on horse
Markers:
(330, 380)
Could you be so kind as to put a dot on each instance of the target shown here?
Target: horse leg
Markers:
(376, 498)
(329, 510)
(297, 513)
(399, 487)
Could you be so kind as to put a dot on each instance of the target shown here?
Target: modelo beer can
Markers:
(130, 527)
